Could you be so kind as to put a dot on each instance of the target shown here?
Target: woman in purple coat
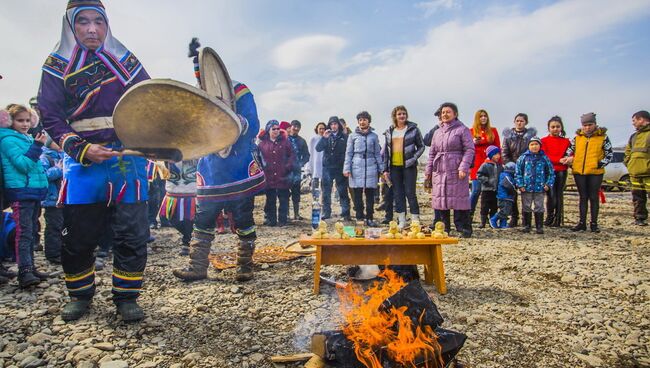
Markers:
(278, 165)
(447, 172)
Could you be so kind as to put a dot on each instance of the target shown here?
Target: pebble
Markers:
(115, 364)
(105, 346)
(592, 361)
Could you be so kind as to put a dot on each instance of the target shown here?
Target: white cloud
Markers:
(503, 64)
(306, 51)
(432, 7)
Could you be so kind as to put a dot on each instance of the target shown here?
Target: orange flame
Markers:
(375, 332)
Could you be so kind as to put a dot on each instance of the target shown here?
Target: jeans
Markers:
(331, 175)
(242, 216)
(84, 227)
(475, 193)
(53, 227)
(26, 214)
(271, 211)
(295, 197)
(370, 202)
(505, 208)
(403, 180)
(388, 201)
(588, 187)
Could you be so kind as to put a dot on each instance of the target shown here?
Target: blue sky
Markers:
(308, 60)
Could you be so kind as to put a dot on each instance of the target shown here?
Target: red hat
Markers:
(285, 125)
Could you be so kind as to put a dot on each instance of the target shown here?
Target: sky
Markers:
(309, 60)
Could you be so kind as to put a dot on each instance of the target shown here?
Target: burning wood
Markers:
(393, 324)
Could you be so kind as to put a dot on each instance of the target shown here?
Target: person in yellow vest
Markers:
(637, 160)
(589, 153)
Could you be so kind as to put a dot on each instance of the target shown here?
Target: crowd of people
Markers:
(95, 196)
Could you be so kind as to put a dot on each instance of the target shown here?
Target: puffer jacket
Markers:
(590, 153)
(363, 159)
(333, 148)
(301, 152)
(507, 188)
(51, 159)
(488, 175)
(515, 143)
(279, 158)
(637, 153)
(533, 171)
(24, 176)
(413, 145)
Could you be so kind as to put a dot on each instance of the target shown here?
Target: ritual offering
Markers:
(426, 230)
(358, 229)
(415, 232)
(373, 233)
(321, 231)
(339, 232)
(439, 231)
(393, 231)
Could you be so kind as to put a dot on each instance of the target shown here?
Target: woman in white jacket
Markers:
(315, 166)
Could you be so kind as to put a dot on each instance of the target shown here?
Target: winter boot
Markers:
(593, 226)
(130, 311)
(494, 222)
(199, 252)
(549, 219)
(528, 217)
(4, 272)
(503, 224)
(245, 260)
(296, 213)
(580, 226)
(415, 218)
(484, 219)
(75, 309)
(514, 221)
(371, 223)
(26, 277)
(539, 222)
(401, 220)
(41, 275)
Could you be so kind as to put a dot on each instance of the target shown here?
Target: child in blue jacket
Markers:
(52, 161)
(505, 197)
(534, 176)
(25, 186)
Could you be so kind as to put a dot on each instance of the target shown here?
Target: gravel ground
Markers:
(557, 300)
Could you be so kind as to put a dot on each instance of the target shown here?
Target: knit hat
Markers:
(510, 166)
(491, 151)
(285, 125)
(270, 124)
(535, 139)
(296, 123)
(364, 115)
(5, 119)
(588, 118)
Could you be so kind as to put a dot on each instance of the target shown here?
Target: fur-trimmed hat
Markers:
(491, 151)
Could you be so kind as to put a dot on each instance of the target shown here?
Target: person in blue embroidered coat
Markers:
(227, 180)
(534, 176)
(82, 80)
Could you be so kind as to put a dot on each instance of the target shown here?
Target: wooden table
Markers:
(427, 251)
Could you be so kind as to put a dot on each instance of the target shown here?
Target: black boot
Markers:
(296, 213)
(4, 272)
(199, 252)
(539, 222)
(371, 223)
(26, 277)
(245, 260)
(549, 219)
(593, 226)
(514, 221)
(581, 226)
(41, 275)
(484, 219)
(75, 309)
(528, 216)
(130, 311)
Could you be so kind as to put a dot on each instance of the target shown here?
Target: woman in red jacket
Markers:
(554, 146)
(484, 136)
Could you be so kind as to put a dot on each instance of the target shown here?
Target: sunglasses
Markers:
(275, 128)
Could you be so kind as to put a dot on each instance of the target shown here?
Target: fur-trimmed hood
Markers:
(510, 132)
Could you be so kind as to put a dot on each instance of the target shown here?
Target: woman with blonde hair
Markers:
(484, 135)
(403, 147)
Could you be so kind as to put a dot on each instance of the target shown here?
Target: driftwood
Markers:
(291, 358)
(315, 362)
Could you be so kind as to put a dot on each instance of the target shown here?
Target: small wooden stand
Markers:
(427, 251)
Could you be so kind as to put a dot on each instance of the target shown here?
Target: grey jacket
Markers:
(363, 159)
(488, 175)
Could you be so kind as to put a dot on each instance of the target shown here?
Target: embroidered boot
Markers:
(245, 260)
(199, 252)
